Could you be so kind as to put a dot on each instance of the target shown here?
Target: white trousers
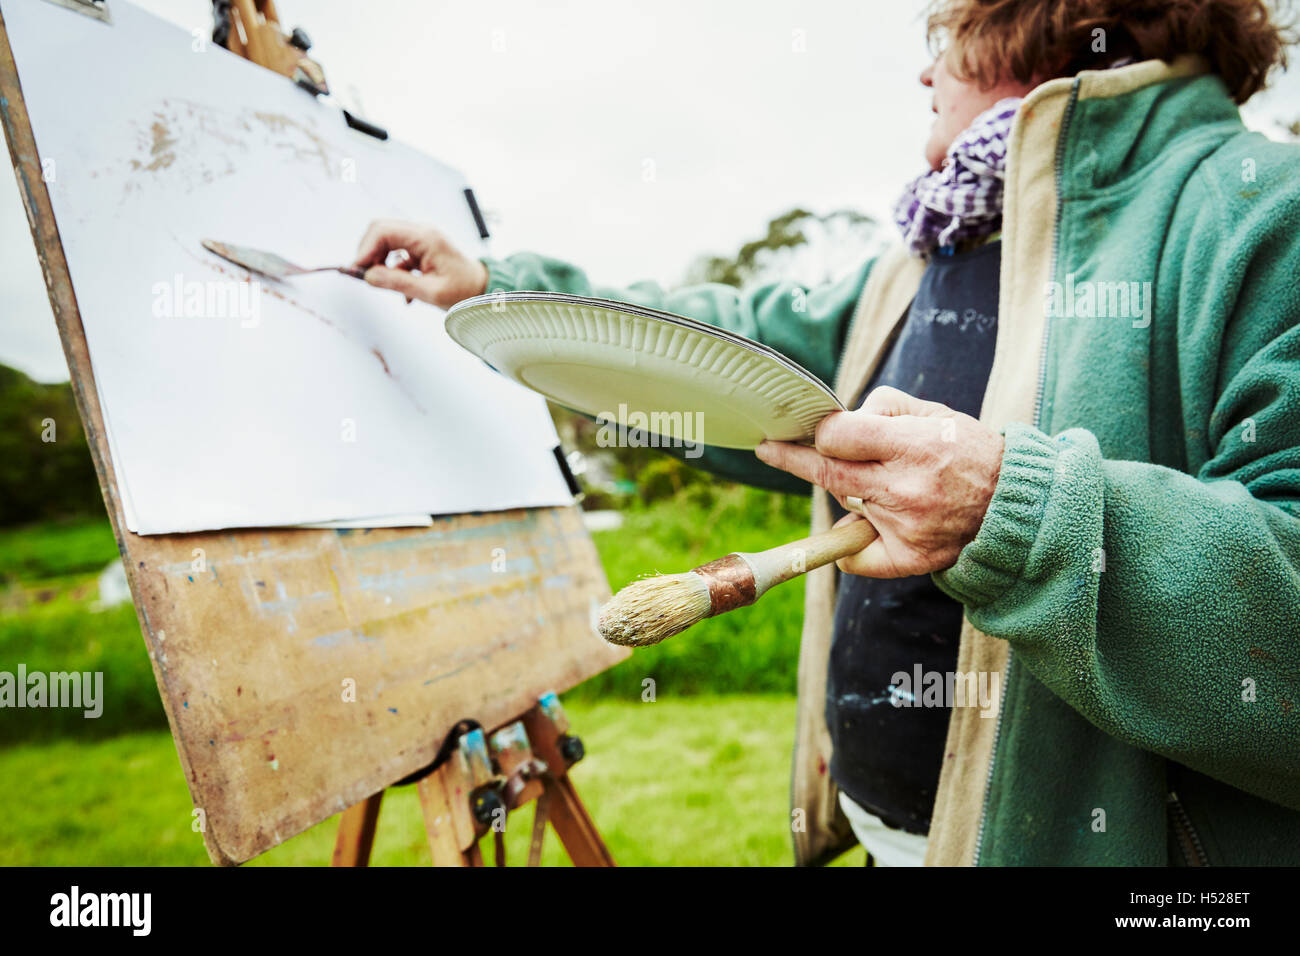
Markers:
(889, 847)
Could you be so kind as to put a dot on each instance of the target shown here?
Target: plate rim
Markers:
(632, 308)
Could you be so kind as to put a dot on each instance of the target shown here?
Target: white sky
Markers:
(554, 108)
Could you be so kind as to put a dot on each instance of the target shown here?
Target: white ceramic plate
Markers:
(628, 364)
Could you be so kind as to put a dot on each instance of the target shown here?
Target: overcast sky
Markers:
(555, 110)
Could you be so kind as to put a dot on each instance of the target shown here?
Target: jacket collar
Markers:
(1124, 125)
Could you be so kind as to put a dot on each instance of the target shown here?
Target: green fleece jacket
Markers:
(1141, 553)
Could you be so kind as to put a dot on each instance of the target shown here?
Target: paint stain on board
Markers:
(162, 152)
(280, 124)
(178, 137)
(162, 149)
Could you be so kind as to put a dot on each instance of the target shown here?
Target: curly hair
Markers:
(1036, 40)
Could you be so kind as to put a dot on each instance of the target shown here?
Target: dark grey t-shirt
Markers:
(886, 757)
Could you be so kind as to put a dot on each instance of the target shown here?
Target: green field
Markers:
(697, 781)
(700, 776)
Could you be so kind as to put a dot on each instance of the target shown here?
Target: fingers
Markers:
(837, 477)
(859, 436)
(387, 235)
(892, 401)
(401, 259)
(411, 285)
(890, 424)
(870, 561)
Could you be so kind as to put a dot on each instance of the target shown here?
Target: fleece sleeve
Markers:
(807, 325)
(1165, 606)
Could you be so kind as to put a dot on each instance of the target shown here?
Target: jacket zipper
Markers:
(1188, 840)
(1038, 411)
(988, 780)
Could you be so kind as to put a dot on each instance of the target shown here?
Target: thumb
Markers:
(862, 562)
(873, 561)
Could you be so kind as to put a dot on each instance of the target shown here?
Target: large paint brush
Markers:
(653, 609)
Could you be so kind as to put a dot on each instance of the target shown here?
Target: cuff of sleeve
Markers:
(988, 566)
(500, 276)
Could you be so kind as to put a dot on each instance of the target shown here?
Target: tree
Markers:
(45, 465)
(799, 245)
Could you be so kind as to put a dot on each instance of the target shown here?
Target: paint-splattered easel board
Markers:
(302, 670)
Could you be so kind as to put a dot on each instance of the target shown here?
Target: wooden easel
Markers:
(265, 746)
(480, 781)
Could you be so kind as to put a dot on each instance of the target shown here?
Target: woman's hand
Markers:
(924, 472)
(433, 271)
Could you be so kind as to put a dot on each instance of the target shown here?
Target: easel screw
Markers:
(571, 749)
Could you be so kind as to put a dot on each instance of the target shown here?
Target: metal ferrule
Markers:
(731, 583)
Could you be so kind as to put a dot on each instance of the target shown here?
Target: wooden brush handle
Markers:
(777, 565)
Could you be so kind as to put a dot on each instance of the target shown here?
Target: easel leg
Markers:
(541, 815)
(572, 823)
(447, 820)
(575, 828)
(356, 834)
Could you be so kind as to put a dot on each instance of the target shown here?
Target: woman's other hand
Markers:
(925, 475)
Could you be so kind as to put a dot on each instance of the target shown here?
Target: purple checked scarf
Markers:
(962, 200)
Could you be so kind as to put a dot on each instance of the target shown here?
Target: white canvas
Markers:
(317, 399)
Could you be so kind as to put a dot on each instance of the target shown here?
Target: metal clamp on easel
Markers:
(251, 29)
(475, 782)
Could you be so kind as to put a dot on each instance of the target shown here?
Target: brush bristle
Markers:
(653, 609)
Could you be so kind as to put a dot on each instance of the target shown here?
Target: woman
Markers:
(1088, 500)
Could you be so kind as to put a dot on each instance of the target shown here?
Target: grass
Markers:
(49, 622)
(53, 549)
(753, 650)
(700, 776)
(691, 781)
